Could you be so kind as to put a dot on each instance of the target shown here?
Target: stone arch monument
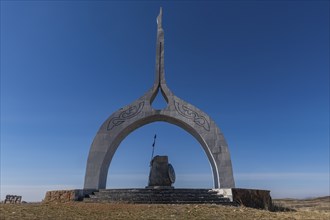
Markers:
(141, 112)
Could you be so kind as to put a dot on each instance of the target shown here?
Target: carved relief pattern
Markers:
(124, 115)
(191, 114)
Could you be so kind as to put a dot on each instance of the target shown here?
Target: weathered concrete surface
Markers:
(159, 172)
(140, 113)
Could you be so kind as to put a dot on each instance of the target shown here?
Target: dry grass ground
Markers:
(306, 209)
(316, 204)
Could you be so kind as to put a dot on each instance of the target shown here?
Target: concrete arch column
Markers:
(140, 112)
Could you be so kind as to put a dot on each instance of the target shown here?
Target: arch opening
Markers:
(129, 167)
(147, 120)
(159, 101)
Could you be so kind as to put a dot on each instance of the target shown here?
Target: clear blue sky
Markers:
(260, 69)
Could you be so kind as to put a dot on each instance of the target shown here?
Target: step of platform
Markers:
(159, 196)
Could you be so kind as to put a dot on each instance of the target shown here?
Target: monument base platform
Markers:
(159, 187)
(253, 198)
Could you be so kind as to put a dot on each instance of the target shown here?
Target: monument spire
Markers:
(159, 18)
(160, 51)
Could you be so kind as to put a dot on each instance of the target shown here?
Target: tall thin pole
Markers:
(153, 147)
